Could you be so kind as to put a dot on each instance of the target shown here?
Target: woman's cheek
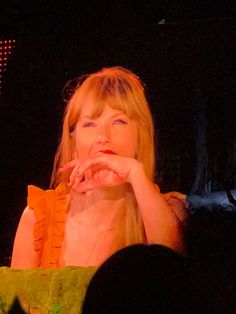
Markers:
(84, 145)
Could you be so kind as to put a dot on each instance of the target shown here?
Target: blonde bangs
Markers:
(112, 91)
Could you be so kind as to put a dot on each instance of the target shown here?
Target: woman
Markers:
(104, 197)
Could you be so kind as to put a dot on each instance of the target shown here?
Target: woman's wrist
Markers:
(136, 172)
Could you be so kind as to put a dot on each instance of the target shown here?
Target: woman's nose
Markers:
(103, 136)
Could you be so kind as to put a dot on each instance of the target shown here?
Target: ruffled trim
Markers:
(59, 220)
(50, 213)
(37, 202)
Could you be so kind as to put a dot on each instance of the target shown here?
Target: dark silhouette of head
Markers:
(139, 279)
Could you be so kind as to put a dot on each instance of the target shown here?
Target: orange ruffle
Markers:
(50, 213)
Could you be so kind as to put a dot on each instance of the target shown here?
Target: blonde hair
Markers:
(123, 91)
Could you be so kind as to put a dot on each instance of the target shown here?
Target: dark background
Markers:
(184, 52)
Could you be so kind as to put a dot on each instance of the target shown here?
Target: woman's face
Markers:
(111, 132)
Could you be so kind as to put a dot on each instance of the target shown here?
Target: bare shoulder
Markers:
(27, 216)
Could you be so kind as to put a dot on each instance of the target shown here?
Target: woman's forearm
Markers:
(161, 224)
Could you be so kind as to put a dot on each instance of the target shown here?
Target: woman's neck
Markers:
(99, 208)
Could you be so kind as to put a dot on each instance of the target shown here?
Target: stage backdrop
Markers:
(186, 64)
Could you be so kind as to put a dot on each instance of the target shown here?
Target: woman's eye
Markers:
(119, 121)
(89, 124)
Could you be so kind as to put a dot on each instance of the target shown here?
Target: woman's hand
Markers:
(104, 170)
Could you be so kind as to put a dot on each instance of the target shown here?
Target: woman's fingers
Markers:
(71, 164)
(101, 178)
(94, 165)
(87, 185)
(74, 174)
(117, 164)
(99, 171)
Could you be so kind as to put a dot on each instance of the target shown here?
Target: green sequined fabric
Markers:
(42, 291)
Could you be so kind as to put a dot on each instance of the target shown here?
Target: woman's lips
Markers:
(107, 151)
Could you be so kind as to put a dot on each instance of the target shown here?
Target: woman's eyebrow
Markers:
(86, 117)
(118, 114)
(114, 115)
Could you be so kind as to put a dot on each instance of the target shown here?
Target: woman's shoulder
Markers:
(37, 195)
